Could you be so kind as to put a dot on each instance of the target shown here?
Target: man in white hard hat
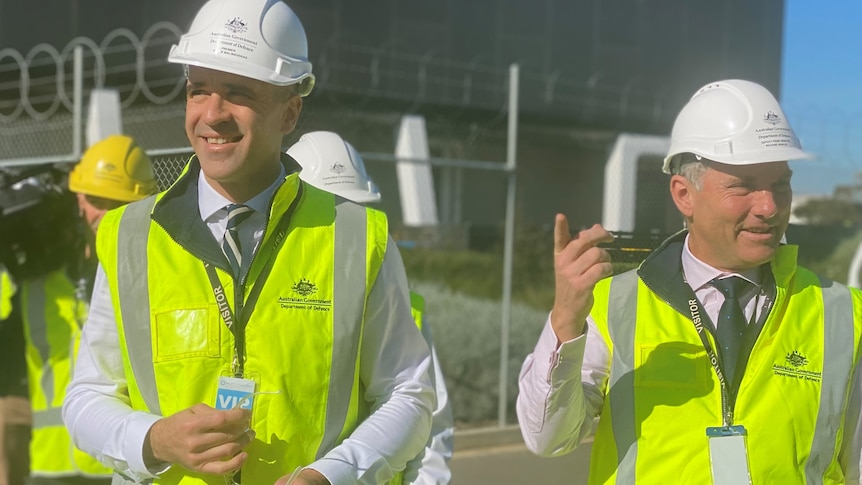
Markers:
(247, 327)
(332, 164)
(718, 360)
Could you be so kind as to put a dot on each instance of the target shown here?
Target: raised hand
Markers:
(578, 265)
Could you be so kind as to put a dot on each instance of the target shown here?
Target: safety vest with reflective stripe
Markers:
(663, 393)
(302, 338)
(7, 289)
(52, 328)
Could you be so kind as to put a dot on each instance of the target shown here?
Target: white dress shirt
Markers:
(102, 423)
(431, 467)
(561, 382)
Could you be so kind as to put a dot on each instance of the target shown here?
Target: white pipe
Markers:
(509, 243)
(855, 268)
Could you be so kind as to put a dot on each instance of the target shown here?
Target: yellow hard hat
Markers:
(115, 168)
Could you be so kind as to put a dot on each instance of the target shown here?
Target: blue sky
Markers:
(822, 90)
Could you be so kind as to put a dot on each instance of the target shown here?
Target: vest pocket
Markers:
(190, 332)
(672, 365)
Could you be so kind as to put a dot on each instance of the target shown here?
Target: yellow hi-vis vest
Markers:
(7, 290)
(417, 308)
(52, 318)
(302, 338)
(662, 392)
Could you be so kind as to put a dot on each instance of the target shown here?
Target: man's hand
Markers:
(578, 265)
(201, 439)
(307, 477)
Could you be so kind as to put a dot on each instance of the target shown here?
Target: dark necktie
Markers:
(236, 213)
(731, 323)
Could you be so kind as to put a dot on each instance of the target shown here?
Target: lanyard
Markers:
(696, 310)
(237, 320)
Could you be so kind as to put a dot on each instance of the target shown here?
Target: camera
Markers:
(39, 226)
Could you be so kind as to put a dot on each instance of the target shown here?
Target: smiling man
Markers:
(718, 360)
(247, 327)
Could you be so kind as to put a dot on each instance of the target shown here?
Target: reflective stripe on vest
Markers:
(838, 352)
(350, 243)
(38, 333)
(623, 313)
(837, 362)
(133, 289)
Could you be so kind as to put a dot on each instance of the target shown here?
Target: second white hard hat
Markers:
(258, 39)
(734, 122)
(332, 164)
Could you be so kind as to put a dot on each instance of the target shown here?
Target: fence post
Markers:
(78, 103)
(509, 243)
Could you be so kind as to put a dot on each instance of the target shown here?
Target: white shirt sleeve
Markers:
(431, 466)
(394, 363)
(96, 409)
(562, 388)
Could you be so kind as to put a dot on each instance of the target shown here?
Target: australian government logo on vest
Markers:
(304, 291)
(794, 368)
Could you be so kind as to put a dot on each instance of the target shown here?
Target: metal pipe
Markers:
(509, 243)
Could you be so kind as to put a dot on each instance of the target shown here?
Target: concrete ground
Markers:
(497, 456)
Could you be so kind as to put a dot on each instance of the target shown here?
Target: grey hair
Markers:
(692, 168)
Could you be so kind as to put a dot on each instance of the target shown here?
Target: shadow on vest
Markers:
(669, 374)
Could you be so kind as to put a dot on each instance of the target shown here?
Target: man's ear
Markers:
(292, 109)
(681, 190)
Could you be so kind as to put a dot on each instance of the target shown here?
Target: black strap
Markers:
(697, 317)
(238, 319)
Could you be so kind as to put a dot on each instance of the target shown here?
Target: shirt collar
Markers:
(698, 274)
(211, 202)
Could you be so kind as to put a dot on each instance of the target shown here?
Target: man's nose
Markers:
(765, 206)
(216, 111)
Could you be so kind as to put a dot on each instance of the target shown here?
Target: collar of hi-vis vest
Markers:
(662, 272)
(173, 209)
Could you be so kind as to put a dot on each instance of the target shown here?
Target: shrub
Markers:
(466, 334)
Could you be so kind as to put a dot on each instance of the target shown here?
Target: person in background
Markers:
(15, 418)
(111, 173)
(7, 289)
(332, 164)
(246, 327)
(718, 360)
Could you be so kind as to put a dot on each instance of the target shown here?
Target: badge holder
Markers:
(728, 455)
(237, 393)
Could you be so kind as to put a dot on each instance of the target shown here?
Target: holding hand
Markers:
(578, 265)
(201, 439)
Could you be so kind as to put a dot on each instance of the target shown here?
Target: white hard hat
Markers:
(258, 39)
(734, 122)
(332, 164)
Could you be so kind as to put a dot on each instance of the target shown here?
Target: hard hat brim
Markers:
(785, 154)
(218, 62)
